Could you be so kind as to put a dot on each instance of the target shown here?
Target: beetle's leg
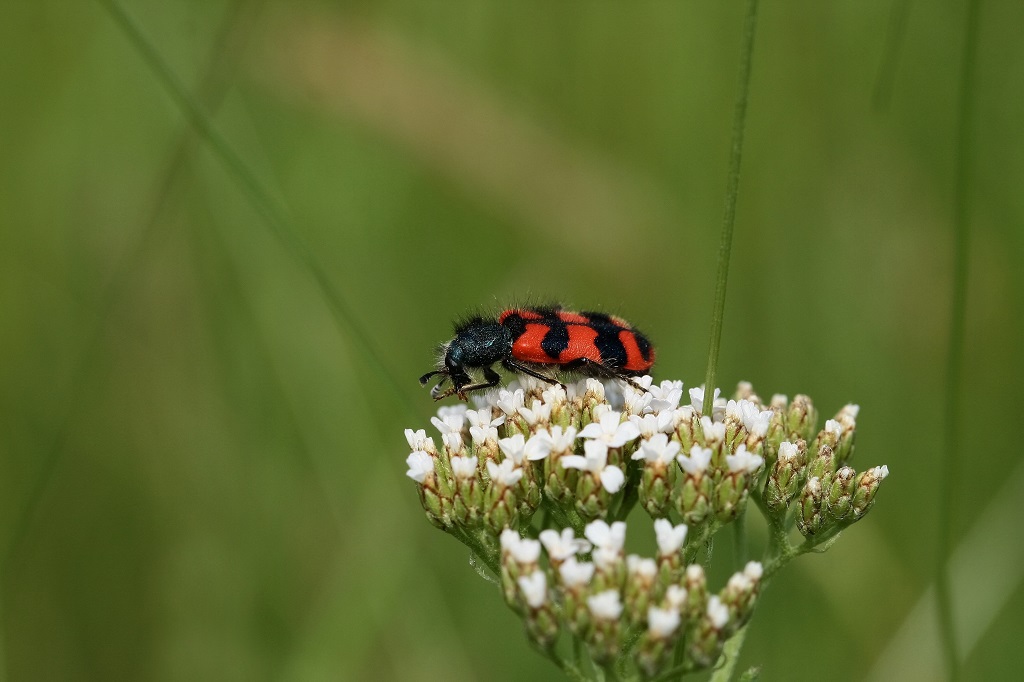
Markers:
(519, 368)
(491, 379)
(597, 369)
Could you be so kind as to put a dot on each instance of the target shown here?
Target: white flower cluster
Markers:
(589, 451)
(585, 437)
(604, 598)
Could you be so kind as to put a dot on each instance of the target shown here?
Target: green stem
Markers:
(571, 671)
(954, 360)
(731, 195)
(739, 538)
(479, 550)
(731, 651)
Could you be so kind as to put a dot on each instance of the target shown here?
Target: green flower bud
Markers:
(656, 487)
(708, 634)
(801, 418)
(786, 478)
(847, 418)
(687, 427)
(693, 497)
(808, 518)
(696, 586)
(824, 464)
(839, 494)
(867, 486)
(640, 579)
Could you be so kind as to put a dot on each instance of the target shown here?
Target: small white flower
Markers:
(594, 387)
(650, 424)
(813, 485)
(645, 382)
(612, 478)
(788, 452)
(522, 550)
(450, 425)
(670, 538)
(575, 573)
(506, 474)
(639, 566)
(835, 427)
(446, 411)
(464, 467)
(697, 398)
(596, 462)
(714, 432)
(611, 430)
(538, 446)
(881, 472)
(514, 447)
(420, 466)
(605, 605)
(850, 410)
(744, 461)
(482, 434)
(603, 536)
(538, 413)
(754, 421)
(554, 395)
(675, 595)
(509, 402)
(661, 623)
(562, 440)
(695, 573)
(453, 441)
(682, 415)
(740, 582)
(779, 400)
(697, 462)
(658, 450)
(754, 570)
(480, 420)
(718, 613)
(561, 546)
(451, 422)
(666, 396)
(636, 402)
(418, 440)
(535, 588)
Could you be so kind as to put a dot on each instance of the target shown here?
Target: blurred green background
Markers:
(202, 469)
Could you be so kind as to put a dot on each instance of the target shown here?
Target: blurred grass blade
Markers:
(258, 196)
(732, 192)
(953, 417)
(211, 90)
(895, 36)
(985, 571)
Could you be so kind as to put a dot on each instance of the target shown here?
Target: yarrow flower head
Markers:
(585, 453)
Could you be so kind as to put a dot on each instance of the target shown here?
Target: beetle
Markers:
(538, 340)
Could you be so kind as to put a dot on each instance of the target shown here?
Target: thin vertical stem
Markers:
(954, 361)
(731, 194)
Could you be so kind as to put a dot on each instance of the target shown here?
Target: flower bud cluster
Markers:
(619, 604)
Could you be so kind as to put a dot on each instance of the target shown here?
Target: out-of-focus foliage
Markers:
(202, 472)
